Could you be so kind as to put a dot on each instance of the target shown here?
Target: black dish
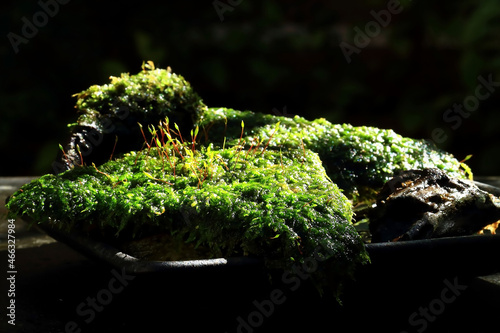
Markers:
(474, 255)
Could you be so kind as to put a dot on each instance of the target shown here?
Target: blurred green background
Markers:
(280, 57)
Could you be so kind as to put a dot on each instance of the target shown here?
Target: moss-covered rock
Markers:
(109, 114)
(358, 159)
(276, 204)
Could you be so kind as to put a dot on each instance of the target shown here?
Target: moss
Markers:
(259, 185)
(153, 92)
(109, 114)
(358, 159)
(278, 204)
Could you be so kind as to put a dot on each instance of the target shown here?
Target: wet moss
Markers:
(258, 185)
(358, 159)
(109, 114)
(276, 204)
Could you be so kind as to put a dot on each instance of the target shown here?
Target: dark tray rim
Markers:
(474, 246)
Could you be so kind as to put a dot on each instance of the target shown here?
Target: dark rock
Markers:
(420, 204)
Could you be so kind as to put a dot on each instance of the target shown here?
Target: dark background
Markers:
(280, 57)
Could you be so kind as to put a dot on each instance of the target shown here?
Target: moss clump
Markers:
(358, 159)
(271, 203)
(110, 113)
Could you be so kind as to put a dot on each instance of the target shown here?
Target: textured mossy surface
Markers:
(109, 114)
(243, 183)
(152, 92)
(358, 159)
(275, 204)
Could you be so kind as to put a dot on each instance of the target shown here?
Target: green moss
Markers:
(358, 159)
(109, 114)
(261, 190)
(271, 203)
(153, 93)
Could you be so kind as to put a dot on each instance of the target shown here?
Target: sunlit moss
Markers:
(109, 114)
(358, 159)
(277, 204)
